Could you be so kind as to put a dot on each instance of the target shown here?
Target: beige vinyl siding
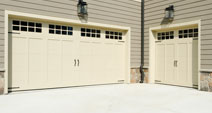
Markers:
(185, 11)
(117, 12)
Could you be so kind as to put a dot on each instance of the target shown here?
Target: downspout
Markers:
(142, 43)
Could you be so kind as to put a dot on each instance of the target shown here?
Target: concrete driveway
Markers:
(124, 98)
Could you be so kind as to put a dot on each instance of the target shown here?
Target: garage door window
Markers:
(165, 35)
(188, 33)
(60, 30)
(27, 26)
(94, 33)
(113, 35)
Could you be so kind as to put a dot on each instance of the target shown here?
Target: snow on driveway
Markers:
(121, 98)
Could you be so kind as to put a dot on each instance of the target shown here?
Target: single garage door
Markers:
(50, 55)
(176, 57)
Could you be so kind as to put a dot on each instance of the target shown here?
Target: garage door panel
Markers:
(160, 62)
(85, 56)
(169, 62)
(119, 61)
(54, 61)
(36, 62)
(98, 62)
(19, 62)
(183, 63)
(109, 65)
(68, 75)
(184, 67)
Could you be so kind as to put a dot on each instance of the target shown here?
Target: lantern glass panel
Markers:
(78, 8)
(171, 14)
(166, 14)
(84, 9)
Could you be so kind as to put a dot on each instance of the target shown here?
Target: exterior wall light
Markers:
(169, 13)
(82, 8)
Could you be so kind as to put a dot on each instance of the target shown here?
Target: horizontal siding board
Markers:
(206, 52)
(1, 43)
(1, 37)
(166, 3)
(115, 5)
(206, 21)
(182, 8)
(64, 4)
(100, 11)
(207, 62)
(207, 47)
(206, 66)
(66, 12)
(1, 26)
(206, 57)
(129, 2)
(1, 30)
(206, 42)
(116, 12)
(35, 11)
(206, 37)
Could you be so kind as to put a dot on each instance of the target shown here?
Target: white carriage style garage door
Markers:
(49, 55)
(177, 57)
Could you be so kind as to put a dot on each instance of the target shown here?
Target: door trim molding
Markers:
(152, 44)
(8, 14)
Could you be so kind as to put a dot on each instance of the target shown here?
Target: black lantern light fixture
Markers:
(82, 8)
(169, 13)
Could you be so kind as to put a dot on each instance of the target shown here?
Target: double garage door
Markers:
(177, 57)
(49, 55)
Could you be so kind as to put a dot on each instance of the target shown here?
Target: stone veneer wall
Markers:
(1, 83)
(206, 81)
(136, 75)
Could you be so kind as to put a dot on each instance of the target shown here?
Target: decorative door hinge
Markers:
(120, 81)
(157, 81)
(13, 87)
(13, 33)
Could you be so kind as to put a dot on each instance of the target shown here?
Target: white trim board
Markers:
(63, 20)
(152, 31)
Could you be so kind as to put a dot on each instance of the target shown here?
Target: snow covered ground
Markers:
(122, 98)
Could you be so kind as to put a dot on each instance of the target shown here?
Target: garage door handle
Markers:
(78, 62)
(175, 63)
(75, 62)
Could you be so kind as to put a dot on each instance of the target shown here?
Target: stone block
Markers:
(146, 80)
(138, 71)
(132, 72)
(202, 78)
(210, 84)
(204, 85)
(146, 70)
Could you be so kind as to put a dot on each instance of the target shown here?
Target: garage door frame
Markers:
(152, 45)
(9, 14)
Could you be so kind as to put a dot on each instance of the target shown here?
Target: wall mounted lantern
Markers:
(169, 13)
(82, 8)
